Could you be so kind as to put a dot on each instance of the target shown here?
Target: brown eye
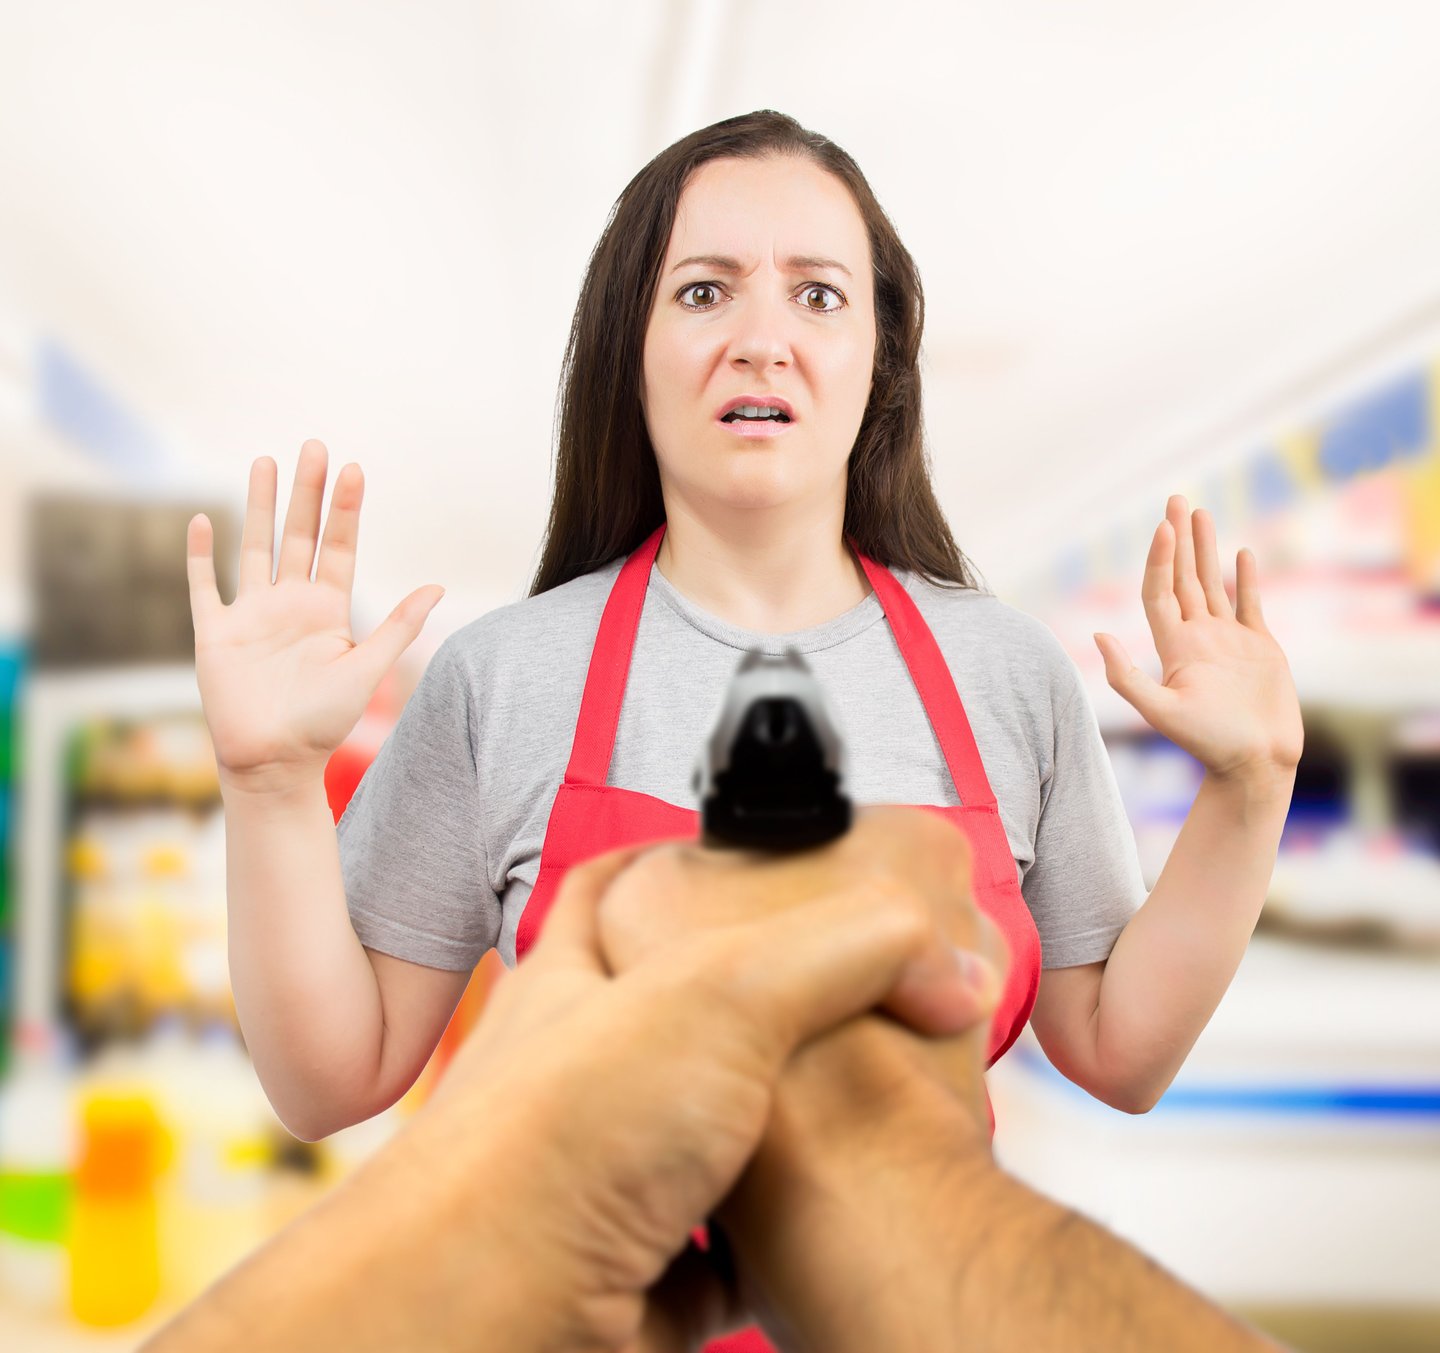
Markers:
(815, 299)
(704, 296)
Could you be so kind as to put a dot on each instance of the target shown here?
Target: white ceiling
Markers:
(367, 222)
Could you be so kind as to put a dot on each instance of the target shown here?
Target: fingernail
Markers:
(975, 972)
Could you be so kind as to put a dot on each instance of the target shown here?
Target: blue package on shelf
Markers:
(12, 664)
(12, 667)
(7, 1006)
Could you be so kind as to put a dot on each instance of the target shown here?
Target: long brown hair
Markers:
(607, 483)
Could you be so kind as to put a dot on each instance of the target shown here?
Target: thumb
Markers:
(379, 653)
(1139, 688)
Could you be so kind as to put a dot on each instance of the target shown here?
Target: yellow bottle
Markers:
(114, 1252)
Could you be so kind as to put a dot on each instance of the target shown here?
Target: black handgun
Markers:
(769, 777)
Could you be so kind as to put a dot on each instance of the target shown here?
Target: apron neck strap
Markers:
(936, 686)
(610, 668)
(599, 719)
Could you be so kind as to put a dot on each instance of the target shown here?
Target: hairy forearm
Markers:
(305, 992)
(1175, 959)
(874, 1217)
(1034, 1274)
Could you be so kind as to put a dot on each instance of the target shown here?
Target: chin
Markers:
(755, 485)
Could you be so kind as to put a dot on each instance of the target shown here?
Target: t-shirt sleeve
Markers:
(411, 850)
(1086, 881)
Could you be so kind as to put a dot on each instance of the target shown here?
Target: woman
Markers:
(740, 465)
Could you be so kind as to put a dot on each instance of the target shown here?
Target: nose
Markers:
(761, 340)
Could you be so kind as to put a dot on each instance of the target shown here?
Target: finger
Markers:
(1157, 590)
(569, 945)
(992, 945)
(1188, 591)
(379, 653)
(1207, 566)
(302, 520)
(200, 570)
(257, 541)
(946, 990)
(1139, 688)
(785, 978)
(1247, 592)
(572, 924)
(336, 566)
(963, 949)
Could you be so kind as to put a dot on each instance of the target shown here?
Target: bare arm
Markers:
(337, 1032)
(862, 1227)
(1122, 1029)
(1227, 697)
(335, 1037)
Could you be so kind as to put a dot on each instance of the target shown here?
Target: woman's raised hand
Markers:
(1225, 695)
(282, 682)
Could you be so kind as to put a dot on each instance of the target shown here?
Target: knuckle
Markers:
(716, 972)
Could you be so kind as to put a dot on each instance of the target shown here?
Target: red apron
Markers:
(590, 817)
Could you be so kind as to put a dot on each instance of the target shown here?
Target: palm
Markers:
(269, 681)
(1225, 694)
(282, 682)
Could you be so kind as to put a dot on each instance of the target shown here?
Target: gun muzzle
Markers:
(770, 775)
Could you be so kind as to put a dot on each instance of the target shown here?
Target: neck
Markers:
(759, 572)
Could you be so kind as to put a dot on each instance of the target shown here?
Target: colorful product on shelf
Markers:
(36, 1171)
(12, 666)
(145, 874)
(114, 1233)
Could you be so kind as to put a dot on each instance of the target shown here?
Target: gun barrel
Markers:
(770, 777)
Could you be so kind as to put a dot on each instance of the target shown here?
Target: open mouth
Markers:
(752, 414)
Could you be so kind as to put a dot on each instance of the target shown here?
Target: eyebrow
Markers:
(795, 263)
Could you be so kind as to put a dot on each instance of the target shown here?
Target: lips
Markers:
(761, 429)
(762, 401)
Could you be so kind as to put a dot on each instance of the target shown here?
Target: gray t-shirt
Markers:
(440, 845)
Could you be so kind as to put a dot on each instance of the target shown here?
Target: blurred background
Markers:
(1166, 248)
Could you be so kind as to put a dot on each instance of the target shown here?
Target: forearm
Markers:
(973, 1260)
(305, 992)
(823, 1223)
(874, 1217)
(1175, 959)
(1034, 1274)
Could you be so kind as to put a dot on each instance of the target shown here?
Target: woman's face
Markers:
(765, 293)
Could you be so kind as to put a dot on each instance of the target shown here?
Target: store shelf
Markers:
(53, 705)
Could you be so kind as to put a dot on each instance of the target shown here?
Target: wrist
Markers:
(870, 1086)
(284, 786)
(867, 1157)
(870, 1178)
(1258, 783)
